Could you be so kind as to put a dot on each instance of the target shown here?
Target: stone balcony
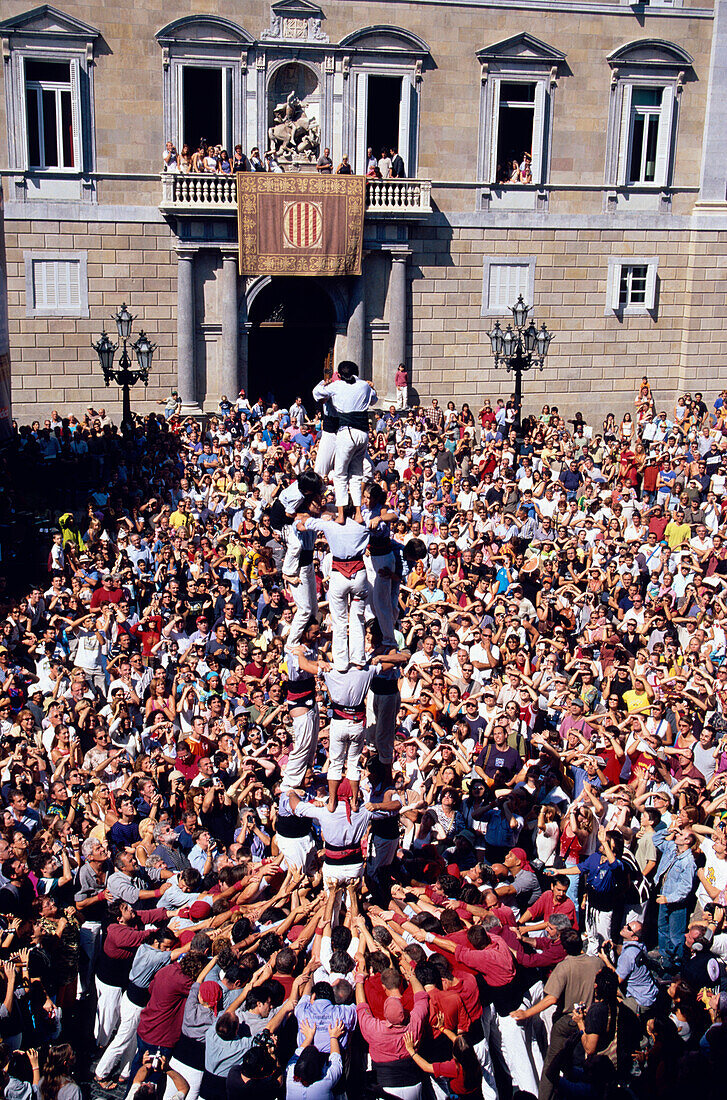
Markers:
(195, 195)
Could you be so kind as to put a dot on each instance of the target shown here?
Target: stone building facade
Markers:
(619, 242)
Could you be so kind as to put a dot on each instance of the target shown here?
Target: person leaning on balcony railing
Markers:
(398, 171)
(198, 157)
(344, 168)
(185, 160)
(240, 163)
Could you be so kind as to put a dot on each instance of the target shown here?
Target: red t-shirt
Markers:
(545, 906)
(376, 996)
(455, 1075)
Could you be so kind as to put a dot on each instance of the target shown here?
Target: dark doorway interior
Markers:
(291, 340)
(202, 102)
(382, 116)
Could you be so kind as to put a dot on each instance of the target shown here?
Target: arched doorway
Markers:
(291, 337)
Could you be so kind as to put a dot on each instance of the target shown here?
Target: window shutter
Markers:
(76, 114)
(362, 108)
(44, 284)
(614, 272)
(663, 144)
(227, 139)
(538, 149)
(494, 128)
(624, 136)
(180, 137)
(21, 106)
(651, 284)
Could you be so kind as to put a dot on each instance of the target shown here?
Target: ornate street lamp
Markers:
(519, 349)
(125, 374)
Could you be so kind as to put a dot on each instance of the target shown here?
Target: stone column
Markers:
(713, 183)
(243, 348)
(186, 381)
(398, 320)
(356, 331)
(229, 370)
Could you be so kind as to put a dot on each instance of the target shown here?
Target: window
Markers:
(644, 136)
(518, 81)
(382, 113)
(49, 94)
(504, 281)
(646, 125)
(52, 124)
(206, 108)
(646, 86)
(56, 284)
(515, 126)
(631, 285)
(205, 61)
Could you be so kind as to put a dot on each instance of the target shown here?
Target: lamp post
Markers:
(125, 374)
(520, 349)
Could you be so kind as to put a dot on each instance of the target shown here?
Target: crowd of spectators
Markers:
(215, 160)
(550, 919)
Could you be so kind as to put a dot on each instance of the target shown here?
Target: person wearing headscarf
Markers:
(523, 888)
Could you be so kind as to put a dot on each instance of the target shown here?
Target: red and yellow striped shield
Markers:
(303, 224)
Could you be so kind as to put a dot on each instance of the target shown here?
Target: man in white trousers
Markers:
(347, 692)
(302, 707)
(351, 397)
(149, 958)
(346, 586)
(326, 451)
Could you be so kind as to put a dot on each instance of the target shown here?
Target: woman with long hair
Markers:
(57, 1082)
(462, 1071)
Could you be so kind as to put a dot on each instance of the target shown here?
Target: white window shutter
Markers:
(76, 114)
(494, 293)
(21, 106)
(615, 288)
(362, 108)
(651, 285)
(178, 138)
(227, 138)
(663, 144)
(494, 128)
(624, 136)
(538, 132)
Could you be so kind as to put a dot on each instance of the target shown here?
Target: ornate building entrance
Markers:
(291, 338)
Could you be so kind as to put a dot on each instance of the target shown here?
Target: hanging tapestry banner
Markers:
(289, 223)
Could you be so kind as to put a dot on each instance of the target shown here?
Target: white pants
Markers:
(305, 597)
(402, 394)
(90, 942)
(348, 466)
(108, 1011)
(482, 1053)
(381, 594)
(326, 454)
(386, 709)
(519, 1053)
(346, 601)
(298, 852)
(345, 748)
(122, 1048)
(405, 1092)
(335, 874)
(598, 928)
(302, 754)
(193, 1077)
